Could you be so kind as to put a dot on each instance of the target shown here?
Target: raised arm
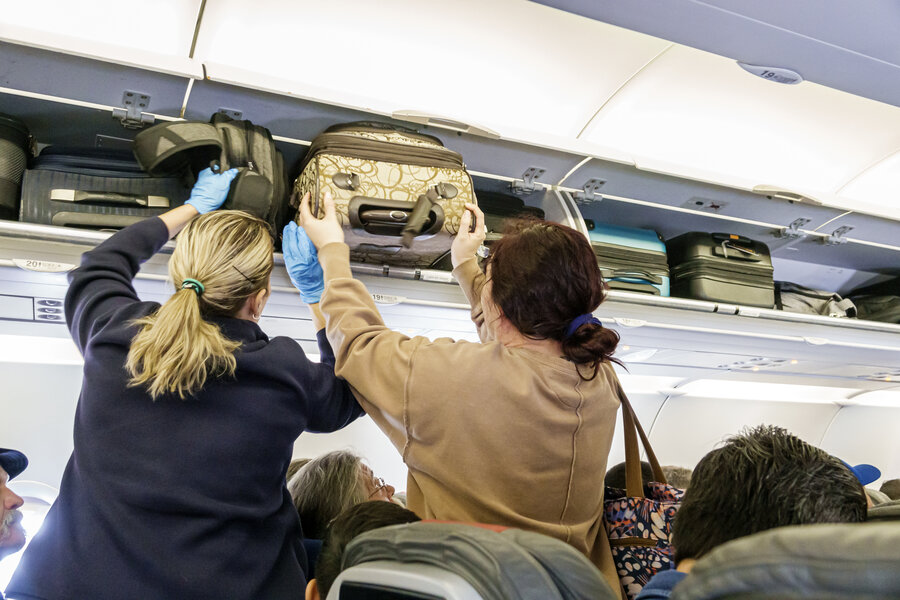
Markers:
(330, 402)
(375, 360)
(465, 265)
(103, 282)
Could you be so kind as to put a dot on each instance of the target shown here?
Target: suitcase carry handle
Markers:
(379, 216)
(89, 197)
(735, 247)
(417, 219)
(631, 274)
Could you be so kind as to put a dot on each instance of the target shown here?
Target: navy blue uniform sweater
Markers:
(177, 498)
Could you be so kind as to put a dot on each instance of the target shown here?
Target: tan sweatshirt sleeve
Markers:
(375, 361)
(471, 280)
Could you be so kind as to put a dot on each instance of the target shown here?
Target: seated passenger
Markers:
(759, 480)
(12, 536)
(349, 524)
(679, 477)
(329, 485)
(866, 474)
(875, 497)
(482, 426)
(891, 487)
(615, 477)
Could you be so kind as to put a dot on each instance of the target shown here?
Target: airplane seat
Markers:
(843, 561)
(889, 511)
(455, 561)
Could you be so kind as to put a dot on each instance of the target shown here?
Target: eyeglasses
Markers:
(380, 485)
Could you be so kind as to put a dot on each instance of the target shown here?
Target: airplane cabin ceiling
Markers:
(612, 86)
(844, 45)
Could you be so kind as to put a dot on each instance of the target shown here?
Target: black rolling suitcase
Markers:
(721, 267)
(15, 149)
(95, 189)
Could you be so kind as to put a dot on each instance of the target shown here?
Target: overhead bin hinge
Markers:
(590, 191)
(793, 230)
(132, 113)
(527, 184)
(234, 113)
(837, 236)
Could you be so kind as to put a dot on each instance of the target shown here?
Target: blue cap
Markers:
(865, 473)
(12, 461)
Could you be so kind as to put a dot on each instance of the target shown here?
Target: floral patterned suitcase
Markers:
(399, 194)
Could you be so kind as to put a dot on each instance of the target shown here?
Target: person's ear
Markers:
(258, 300)
(312, 590)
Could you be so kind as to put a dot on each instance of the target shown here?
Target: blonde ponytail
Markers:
(177, 349)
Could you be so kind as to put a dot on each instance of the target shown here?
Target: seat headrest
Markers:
(829, 562)
(889, 511)
(502, 565)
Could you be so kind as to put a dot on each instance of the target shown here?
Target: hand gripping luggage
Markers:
(95, 189)
(721, 267)
(399, 194)
(630, 259)
(498, 210)
(171, 149)
(15, 150)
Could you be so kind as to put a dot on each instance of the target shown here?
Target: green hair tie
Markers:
(193, 284)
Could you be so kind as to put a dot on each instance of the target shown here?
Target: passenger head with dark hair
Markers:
(760, 479)
(615, 477)
(891, 487)
(328, 485)
(481, 426)
(543, 284)
(352, 522)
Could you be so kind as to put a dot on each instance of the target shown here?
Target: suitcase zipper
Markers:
(366, 149)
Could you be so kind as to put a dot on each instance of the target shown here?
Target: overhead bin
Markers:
(831, 42)
(518, 68)
(104, 29)
(698, 115)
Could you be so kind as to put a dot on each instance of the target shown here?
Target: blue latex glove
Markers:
(302, 263)
(211, 189)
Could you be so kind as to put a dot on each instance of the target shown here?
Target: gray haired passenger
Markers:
(328, 485)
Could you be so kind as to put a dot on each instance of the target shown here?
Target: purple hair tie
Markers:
(579, 321)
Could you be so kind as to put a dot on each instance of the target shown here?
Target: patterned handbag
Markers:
(399, 194)
(639, 521)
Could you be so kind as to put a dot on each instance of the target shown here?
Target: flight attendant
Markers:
(186, 421)
(513, 431)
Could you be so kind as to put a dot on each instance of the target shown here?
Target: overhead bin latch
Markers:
(590, 191)
(838, 236)
(526, 185)
(792, 231)
(132, 113)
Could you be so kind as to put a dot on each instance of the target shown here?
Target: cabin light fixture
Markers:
(776, 74)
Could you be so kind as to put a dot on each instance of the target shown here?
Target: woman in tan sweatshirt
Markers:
(513, 431)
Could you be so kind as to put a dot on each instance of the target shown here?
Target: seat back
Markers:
(392, 580)
(825, 562)
(496, 565)
(889, 511)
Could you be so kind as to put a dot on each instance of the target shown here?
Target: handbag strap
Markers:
(634, 486)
